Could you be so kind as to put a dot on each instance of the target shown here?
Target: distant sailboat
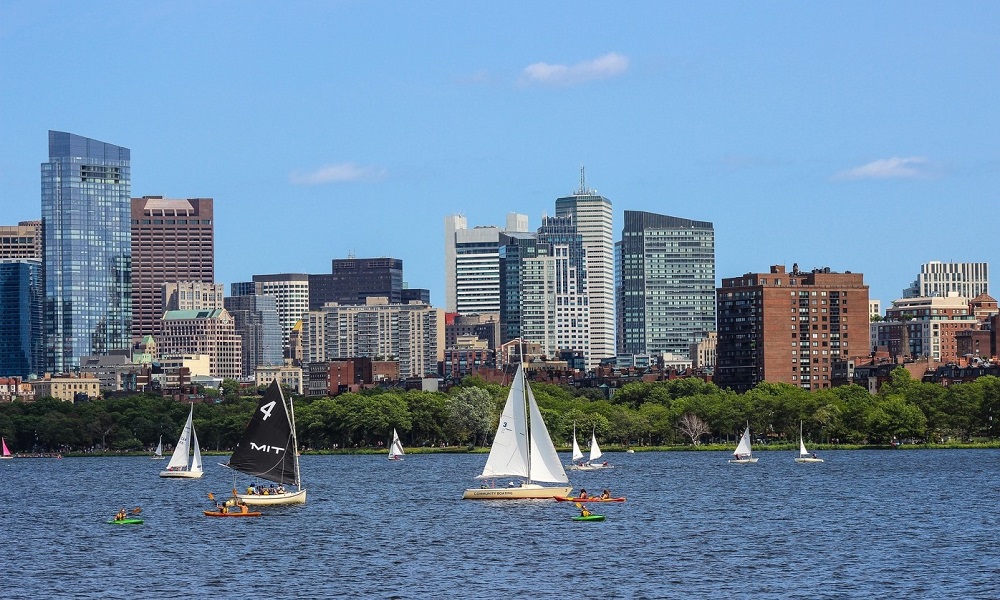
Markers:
(6, 450)
(743, 454)
(396, 447)
(179, 467)
(577, 464)
(804, 455)
(521, 448)
(595, 453)
(158, 453)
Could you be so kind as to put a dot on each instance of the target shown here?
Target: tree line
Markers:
(676, 412)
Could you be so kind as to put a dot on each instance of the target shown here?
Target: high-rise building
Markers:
(207, 332)
(21, 241)
(86, 215)
(789, 327)
(938, 278)
(472, 264)
(514, 249)
(21, 295)
(291, 294)
(172, 241)
(256, 322)
(666, 298)
(191, 295)
(594, 221)
(354, 280)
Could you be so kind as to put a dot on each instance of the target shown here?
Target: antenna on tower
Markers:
(583, 183)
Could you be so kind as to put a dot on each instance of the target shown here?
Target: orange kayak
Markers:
(588, 499)
(215, 513)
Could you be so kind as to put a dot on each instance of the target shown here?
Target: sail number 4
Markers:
(267, 408)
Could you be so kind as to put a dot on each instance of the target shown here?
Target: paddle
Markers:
(136, 510)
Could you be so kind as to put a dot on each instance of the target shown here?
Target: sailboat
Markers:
(578, 464)
(743, 455)
(269, 450)
(396, 447)
(521, 448)
(6, 450)
(179, 467)
(158, 453)
(804, 455)
(595, 453)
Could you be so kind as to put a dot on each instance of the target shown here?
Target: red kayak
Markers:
(588, 499)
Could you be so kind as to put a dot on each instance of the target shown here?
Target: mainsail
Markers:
(396, 447)
(743, 449)
(544, 460)
(179, 459)
(577, 453)
(509, 453)
(268, 447)
(595, 450)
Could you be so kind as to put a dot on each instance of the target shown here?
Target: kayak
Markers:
(588, 499)
(589, 518)
(125, 521)
(215, 513)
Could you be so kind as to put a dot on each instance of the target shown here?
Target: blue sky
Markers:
(861, 136)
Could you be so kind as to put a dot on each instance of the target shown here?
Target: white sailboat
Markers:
(158, 453)
(743, 454)
(396, 447)
(578, 464)
(522, 449)
(269, 450)
(179, 465)
(804, 455)
(595, 453)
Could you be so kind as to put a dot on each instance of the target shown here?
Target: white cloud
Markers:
(913, 167)
(341, 173)
(603, 67)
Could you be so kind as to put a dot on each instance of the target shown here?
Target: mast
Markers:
(295, 441)
(524, 398)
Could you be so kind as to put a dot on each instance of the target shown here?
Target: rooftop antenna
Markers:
(584, 190)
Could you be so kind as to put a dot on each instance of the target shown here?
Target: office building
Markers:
(172, 241)
(291, 293)
(593, 217)
(21, 241)
(789, 327)
(205, 332)
(21, 302)
(472, 263)
(191, 295)
(255, 320)
(87, 268)
(939, 279)
(666, 294)
(354, 280)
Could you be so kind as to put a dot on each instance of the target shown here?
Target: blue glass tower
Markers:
(20, 317)
(86, 228)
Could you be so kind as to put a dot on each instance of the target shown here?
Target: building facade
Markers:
(206, 332)
(255, 319)
(938, 278)
(191, 295)
(21, 312)
(353, 280)
(789, 327)
(172, 241)
(472, 264)
(594, 221)
(924, 327)
(666, 279)
(22, 241)
(291, 294)
(87, 267)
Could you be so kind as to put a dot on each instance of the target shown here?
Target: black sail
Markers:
(267, 448)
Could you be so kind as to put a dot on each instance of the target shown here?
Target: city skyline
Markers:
(840, 144)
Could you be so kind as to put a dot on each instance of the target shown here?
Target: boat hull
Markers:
(531, 492)
(298, 497)
(588, 499)
(589, 518)
(125, 522)
(215, 513)
(743, 461)
(182, 474)
(809, 460)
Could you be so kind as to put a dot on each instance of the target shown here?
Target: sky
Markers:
(860, 136)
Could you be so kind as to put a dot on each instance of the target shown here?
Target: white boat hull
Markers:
(524, 492)
(298, 497)
(743, 461)
(808, 460)
(182, 474)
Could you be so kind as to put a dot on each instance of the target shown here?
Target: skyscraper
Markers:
(291, 295)
(20, 317)
(256, 322)
(87, 268)
(354, 280)
(593, 217)
(172, 241)
(667, 283)
(472, 264)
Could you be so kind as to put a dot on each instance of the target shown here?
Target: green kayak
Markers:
(590, 518)
(125, 521)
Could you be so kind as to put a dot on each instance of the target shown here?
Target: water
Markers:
(900, 524)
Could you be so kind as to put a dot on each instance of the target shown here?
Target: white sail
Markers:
(509, 452)
(577, 453)
(196, 466)
(595, 450)
(545, 465)
(159, 448)
(802, 447)
(396, 447)
(743, 449)
(179, 459)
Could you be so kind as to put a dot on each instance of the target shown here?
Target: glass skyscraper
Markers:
(86, 219)
(20, 317)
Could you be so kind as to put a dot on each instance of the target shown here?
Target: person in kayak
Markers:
(583, 493)
(120, 515)
(606, 495)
